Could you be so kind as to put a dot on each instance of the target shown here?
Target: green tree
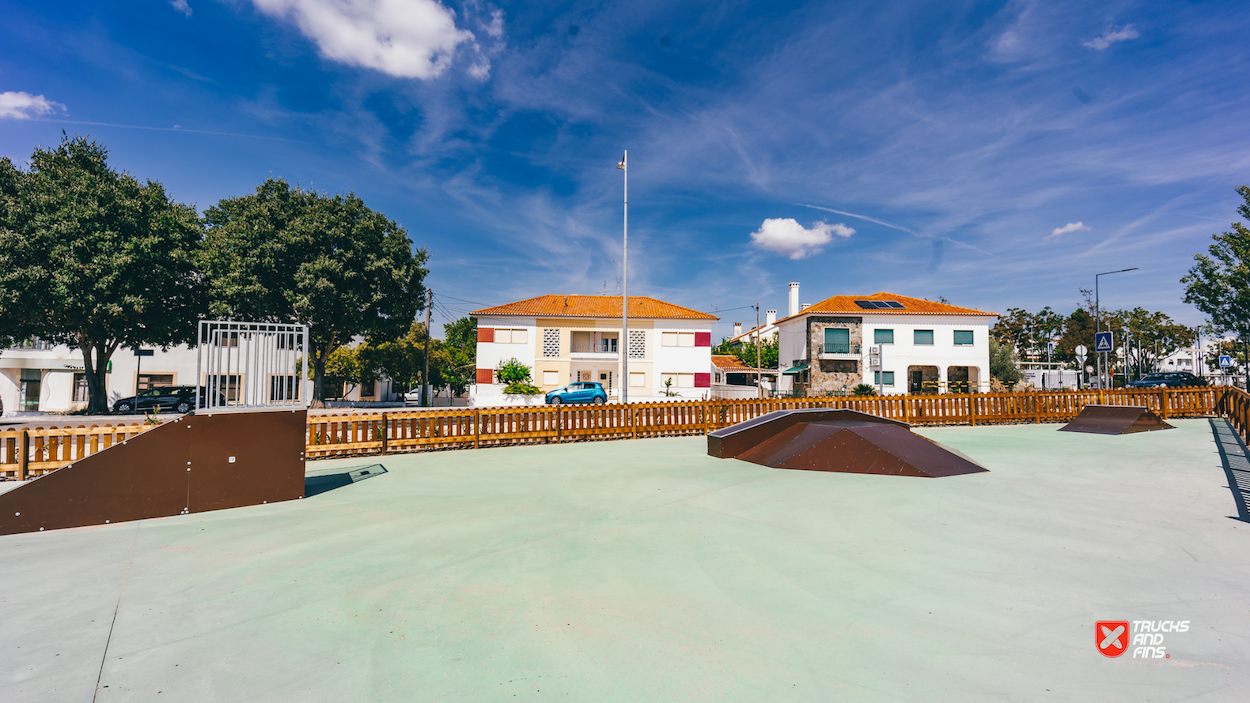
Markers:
(1078, 329)
(460, 347)
(284, 254)
(1219, 283)
(1004, 364)
(517, 376)
(94, 259)
(744, 351)
(1147, 337)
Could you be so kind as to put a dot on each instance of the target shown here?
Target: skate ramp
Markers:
(194, 464)
(1115, 419)
(843, 441)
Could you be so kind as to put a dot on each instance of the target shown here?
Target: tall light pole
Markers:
(624, 346)
(1102, 357)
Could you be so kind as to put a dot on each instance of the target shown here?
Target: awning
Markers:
(795, 371)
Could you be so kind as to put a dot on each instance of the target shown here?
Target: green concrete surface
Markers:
(647, 571)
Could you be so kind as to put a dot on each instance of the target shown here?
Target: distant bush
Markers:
(864, 389)
(517, 376)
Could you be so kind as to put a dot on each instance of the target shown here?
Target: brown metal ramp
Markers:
(190, 465)
(844, 441)
(1115, 419)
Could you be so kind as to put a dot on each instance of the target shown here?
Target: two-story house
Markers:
(567, 338)
(894, 342)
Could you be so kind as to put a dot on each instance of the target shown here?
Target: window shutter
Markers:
(485, 334)
(703, 339)
(703, 380)
(485, 375)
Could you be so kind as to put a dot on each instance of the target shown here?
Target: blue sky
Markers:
(994, 153)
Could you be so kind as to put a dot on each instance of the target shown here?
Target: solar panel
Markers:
(879, 304)
(894, 304)
(867, 304)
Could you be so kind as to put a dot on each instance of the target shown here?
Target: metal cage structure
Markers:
(251, 366)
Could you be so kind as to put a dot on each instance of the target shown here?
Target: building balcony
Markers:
(840, 351)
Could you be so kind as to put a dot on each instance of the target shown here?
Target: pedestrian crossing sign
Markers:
(1103, 342)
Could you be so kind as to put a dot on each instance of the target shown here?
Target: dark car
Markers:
(580, 392)
(180, 399)
(1168, 379)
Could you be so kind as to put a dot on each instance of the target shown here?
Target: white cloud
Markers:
(181, 6)
(1070, 227)
(786, 236)
(1111, 36)
(21, 106)
(403, 38)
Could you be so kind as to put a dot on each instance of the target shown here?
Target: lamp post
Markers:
(624, 346)
(1102, 358)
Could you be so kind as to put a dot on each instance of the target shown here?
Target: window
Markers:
(155, 380)
(679, 380)
(963, 338)
(637, 380)
(368, 389)
(883, 336)
(551, 342)
(227, 387)
(638, 344)
(923, 337)
(677, 339)
(668, 339)
(226, 339)
(889, 377)
(283, 388)
(510, 336)
(607, 343)
(80, 388)
(837, 340)
(551, 378)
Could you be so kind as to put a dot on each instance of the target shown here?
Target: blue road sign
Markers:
(1226, 360)
(1103, 342)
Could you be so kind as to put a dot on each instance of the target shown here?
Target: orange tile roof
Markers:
(845, 304)
(728, 362)
(601, 306)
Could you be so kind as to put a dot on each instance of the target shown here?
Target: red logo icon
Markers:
(1111, 636)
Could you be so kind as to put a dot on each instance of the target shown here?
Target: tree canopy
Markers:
(285, 254)
(1219, 282)
(94, 259)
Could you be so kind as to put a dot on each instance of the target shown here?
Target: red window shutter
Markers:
(702, 380)
(485, 334)
(485, 375)
(703, 339)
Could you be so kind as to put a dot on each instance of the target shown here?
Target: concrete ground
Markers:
(645, 570)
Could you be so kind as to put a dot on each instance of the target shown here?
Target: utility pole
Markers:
(759, 375)
(425, 375)
(624, 345)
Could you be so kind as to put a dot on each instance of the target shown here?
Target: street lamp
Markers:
(1102, 358)
(624, 345)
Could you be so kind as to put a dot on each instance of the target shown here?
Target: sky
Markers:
(995, 154)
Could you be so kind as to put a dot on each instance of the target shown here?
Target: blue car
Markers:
(580, 392)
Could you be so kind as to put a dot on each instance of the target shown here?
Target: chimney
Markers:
(771, 317)
(794, 300)
(737, 329)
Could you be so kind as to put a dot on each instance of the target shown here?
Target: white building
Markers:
(831, 347)
(41, 377)
(567, 338)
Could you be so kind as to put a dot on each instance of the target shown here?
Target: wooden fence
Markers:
(50, 448)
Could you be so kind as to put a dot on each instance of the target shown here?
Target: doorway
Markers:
(31, 382)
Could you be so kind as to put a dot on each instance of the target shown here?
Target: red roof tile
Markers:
(845, 304)
(599, 306)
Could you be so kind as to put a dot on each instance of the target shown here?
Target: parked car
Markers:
(1169, 379)
(180, 399)
(580, 392)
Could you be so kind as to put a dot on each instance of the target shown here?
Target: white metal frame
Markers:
(255, 353)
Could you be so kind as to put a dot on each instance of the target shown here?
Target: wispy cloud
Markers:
(787, 237)
(402, 38)
(1070, 227)
(22, 106)
(1112, 36)
(181, 6)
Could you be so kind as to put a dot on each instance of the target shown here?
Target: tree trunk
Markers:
(96, 373)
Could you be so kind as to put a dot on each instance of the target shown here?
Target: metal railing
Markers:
(254, 365)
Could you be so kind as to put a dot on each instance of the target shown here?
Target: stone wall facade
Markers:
(833, 375)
